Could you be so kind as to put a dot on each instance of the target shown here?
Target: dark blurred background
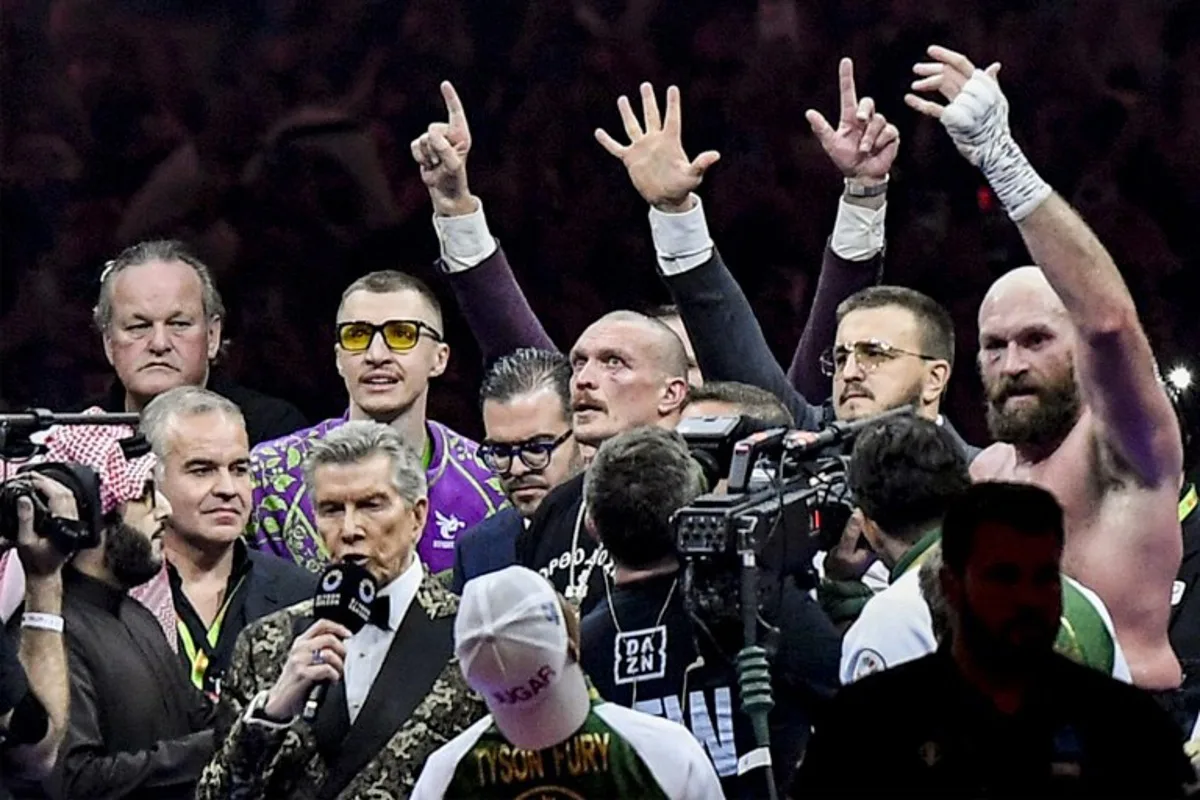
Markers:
(273, 135)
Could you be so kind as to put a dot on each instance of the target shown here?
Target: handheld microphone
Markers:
(344, 595)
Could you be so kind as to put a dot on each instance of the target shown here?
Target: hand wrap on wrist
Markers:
(977, 122)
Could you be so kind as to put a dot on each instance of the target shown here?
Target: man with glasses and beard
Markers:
(389, 346)
(1074, 398)
(526, 404)
(137, 727)
(995, 711)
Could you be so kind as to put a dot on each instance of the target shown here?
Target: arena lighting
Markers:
(1180, 378)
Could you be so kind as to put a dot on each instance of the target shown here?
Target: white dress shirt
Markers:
(682, 241)
(366, 650)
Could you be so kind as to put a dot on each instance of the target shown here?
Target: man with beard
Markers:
(995, 712)
(526, 404)
(137, 727)
(1074, 398)
(389, 346)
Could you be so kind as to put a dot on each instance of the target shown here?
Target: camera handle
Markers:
(15, 429)
(754, 677)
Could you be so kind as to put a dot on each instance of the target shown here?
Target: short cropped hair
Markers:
(750, 400)
(166, 250)
(672, 357)
(182, 401)
(636, 481)
(525, 371)
(358, 441)
(936, 324)
(1020, 507)
(388, 281)
(905, 472)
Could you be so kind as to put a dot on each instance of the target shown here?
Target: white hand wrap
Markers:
(977, 121)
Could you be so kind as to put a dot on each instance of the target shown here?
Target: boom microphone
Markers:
(344, 595)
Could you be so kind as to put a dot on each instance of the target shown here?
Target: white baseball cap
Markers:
(512, 644)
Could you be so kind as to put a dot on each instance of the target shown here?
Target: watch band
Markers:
(856, 189)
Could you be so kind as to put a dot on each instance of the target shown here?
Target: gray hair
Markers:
(358, 441)
(166, 250)
(182, 401)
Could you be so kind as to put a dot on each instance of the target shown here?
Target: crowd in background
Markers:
(273, 137)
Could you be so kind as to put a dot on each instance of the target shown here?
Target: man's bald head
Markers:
(665, 345)
(1026, 360)
(628, 370)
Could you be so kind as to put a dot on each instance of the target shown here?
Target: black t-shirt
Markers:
(558, 546)
(919, 730)
(1185, 597)
(640, 652)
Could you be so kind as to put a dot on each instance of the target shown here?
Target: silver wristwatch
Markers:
(856, 189)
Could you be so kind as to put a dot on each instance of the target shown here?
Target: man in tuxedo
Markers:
(396, 693)
(526, 403)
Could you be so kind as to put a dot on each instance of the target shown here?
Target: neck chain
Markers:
(662, 612)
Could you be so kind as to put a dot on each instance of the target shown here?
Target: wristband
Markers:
(42, 622)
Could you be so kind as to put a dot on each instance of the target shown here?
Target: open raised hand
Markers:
(864, 145)
(977, 115)
(658, 167)
(441, 152)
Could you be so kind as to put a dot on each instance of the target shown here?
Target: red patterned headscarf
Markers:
(121, 480)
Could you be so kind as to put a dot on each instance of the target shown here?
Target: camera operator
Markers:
(137, 727)
(904, 473)
(33, 674)
(642, 648)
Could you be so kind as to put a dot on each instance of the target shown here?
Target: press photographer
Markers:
(33, 673)
(641, 646)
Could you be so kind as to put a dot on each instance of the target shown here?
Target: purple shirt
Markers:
(462, 492)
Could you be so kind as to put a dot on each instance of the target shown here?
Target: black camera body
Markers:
(68, 536)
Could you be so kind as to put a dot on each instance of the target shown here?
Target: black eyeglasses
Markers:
(534, 454)
(868, 354)
(398, 334)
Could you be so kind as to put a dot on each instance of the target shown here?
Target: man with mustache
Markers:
(627, 370)
(137, 727)
(161, 318)
(995, 712)
(218, 585)
(526, 404)
(1074, 398)
(389, 345)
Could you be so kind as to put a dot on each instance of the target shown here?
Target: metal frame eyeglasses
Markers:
(868, 354)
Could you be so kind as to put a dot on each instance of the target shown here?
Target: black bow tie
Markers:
(381, 612)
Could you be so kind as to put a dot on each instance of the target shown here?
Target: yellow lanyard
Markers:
(1188, 504)
(199, 658)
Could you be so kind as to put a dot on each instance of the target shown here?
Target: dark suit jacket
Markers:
(486, 547)
(383, 752)
(266, 417)
(274, 584)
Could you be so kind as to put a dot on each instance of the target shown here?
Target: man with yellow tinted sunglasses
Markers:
(389, 344)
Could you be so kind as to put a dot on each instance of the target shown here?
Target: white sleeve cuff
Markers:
(464, 241)
(681, 240)
(858, 232)
(260, 702)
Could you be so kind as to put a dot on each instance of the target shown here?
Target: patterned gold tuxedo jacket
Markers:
(418, 702)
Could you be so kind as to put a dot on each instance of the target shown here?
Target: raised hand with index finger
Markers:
(441, 153)
(657, 164)
(864, 144)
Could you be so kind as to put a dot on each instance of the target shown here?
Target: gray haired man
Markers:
(161, 319)
(218, 586)
(396, 692)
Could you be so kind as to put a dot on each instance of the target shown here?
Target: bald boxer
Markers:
(1074, 399)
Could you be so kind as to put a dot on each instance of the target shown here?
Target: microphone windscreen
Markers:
(344, 595)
